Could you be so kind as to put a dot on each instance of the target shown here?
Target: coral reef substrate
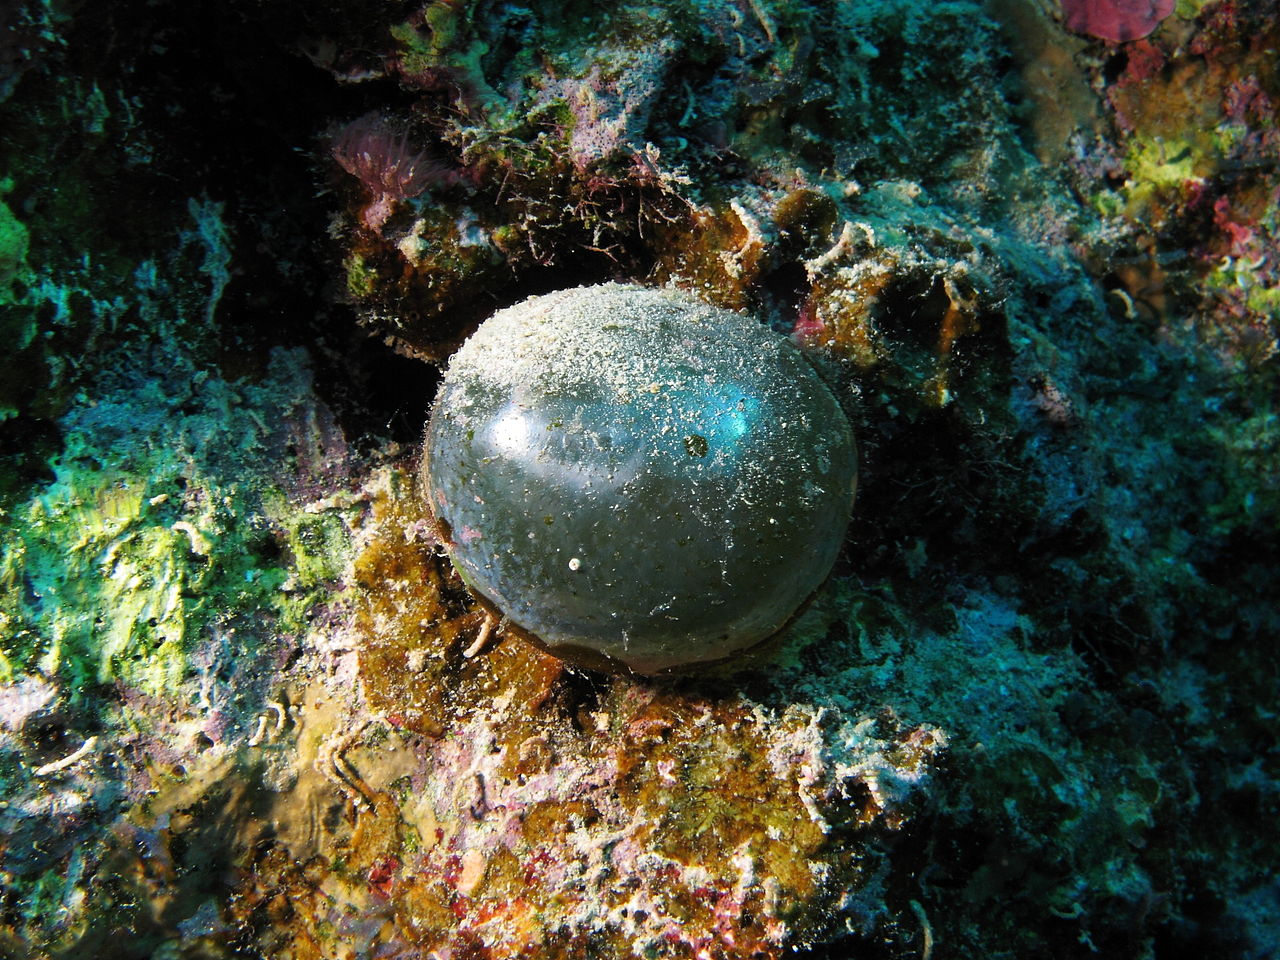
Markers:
(248, 708)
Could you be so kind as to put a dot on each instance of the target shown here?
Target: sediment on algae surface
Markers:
(247, 707)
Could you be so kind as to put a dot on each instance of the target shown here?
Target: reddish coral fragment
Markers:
(382, 876)
(808, 328)
(1116, 20)
(1240, 234)
(1146, 60)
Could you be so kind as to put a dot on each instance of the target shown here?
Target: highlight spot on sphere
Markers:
(632, 474)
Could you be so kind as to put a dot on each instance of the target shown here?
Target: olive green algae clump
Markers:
(634, 472)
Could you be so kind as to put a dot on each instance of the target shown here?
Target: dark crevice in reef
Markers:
(379, 393)
(222, 115)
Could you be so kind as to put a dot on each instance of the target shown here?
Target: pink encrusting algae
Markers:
(1116, 20)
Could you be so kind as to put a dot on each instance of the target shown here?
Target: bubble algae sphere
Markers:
(634, 476)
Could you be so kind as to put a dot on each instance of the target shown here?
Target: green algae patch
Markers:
(362, 280)
(317, 544)
(112, 583)
(112, 573)
(13, 249)
(109, 583)
(1161, 169)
